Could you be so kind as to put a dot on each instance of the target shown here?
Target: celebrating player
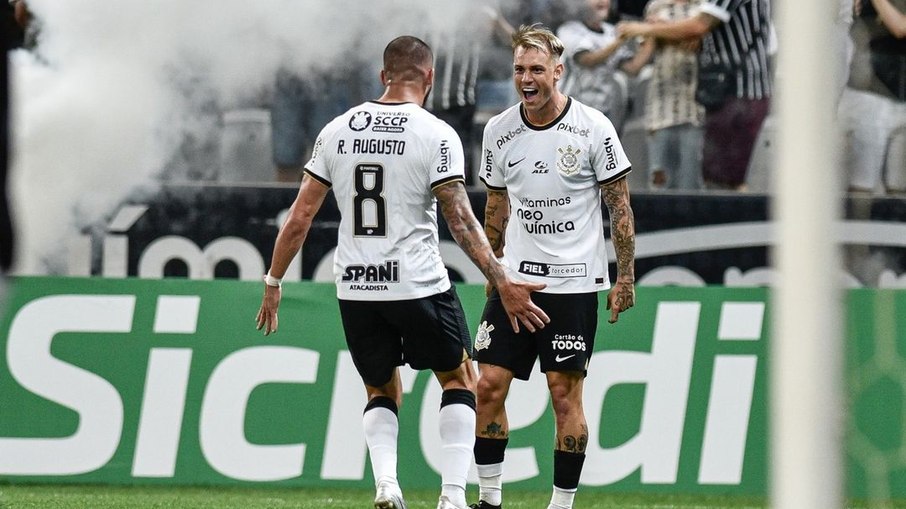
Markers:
(389, 162)
(549, 161)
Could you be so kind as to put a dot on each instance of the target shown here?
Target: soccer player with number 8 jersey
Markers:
(390, 163)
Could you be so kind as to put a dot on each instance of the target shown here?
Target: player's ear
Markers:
(385, 80)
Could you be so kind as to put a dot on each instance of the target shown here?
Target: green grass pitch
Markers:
(120, 497)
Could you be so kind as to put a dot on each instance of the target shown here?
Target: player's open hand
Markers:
(267, 314)
(620, 298)
(516, 297)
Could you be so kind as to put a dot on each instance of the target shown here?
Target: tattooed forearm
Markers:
(495, 237)
(622, 226)
(455, 207)
(465, 229)
(496, 216)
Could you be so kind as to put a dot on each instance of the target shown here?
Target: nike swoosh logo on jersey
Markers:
(511, 163)
(561, 359)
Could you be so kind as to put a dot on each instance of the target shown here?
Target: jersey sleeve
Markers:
(447, 161)
(317, 166)
(609, 159)
(491, 172)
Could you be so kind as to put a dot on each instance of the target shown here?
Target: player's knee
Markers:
(463, 377)
(491, 391)
(566, 397)
(467, 375)
(565, 410)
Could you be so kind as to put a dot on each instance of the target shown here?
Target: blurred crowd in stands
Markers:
(620, 59)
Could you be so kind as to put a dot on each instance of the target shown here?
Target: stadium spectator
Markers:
(457, 57)
(672, 116)
(396, 300)
(288, 124)
(550, 161)
(599, 61)
(305, 100)
(844, 42)
(24, 31)
(873, 106)
(892, 18)
(459, 60)
(633, 8)
(736, 40)
(13, 29)
(550, 13)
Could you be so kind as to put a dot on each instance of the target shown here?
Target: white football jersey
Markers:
(382, 161)
(552, 175)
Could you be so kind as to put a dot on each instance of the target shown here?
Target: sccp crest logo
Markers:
(569, 160)
(360, 121)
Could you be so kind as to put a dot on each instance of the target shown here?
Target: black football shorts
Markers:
(427, 333)
(565, 344)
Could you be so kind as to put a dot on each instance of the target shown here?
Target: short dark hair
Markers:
(406, 58)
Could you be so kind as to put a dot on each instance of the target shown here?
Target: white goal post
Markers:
(806, 347)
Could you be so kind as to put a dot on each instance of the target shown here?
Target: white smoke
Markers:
(113, 89)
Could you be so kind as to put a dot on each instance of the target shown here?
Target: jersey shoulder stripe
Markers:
(616, 177)
(317, 177)
(489, 186)
(446, 180)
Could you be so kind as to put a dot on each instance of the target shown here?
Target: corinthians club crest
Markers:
(569, 160)
(483, 337)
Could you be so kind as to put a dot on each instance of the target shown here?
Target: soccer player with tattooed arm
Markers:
(549, 162)
(389, 163)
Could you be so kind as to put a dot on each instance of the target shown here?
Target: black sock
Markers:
(567, 469)
(382, 402)
(489, 451)
(458, 396)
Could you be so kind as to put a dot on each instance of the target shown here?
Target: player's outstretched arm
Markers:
(622, 231)
(516, 296)
(289, 241)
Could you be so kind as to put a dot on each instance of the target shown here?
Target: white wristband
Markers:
(270, 280)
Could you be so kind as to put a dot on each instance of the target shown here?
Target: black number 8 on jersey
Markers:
(369, 207)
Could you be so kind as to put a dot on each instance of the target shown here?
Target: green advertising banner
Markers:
(167, 381)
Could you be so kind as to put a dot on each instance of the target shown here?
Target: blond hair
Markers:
(539, 37)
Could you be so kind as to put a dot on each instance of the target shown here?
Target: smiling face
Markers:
(535, 75)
